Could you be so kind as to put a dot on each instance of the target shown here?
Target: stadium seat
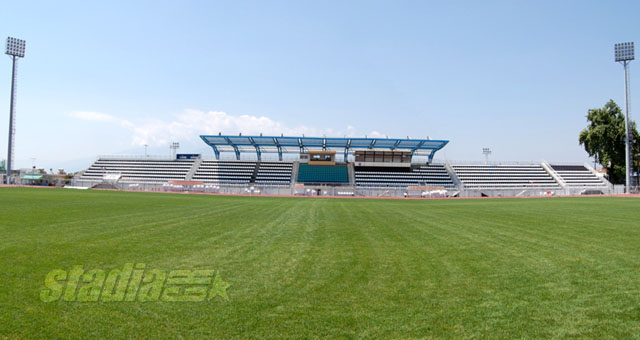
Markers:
(322, 174)
(383, 177)
(505, 177)
(578, 176)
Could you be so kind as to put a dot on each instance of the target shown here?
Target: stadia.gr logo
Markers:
(133, 283)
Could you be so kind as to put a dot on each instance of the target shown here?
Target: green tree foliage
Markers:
(604, 138)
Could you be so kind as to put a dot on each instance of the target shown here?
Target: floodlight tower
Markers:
(486, 152)
(624, 55)
(174, 146)
(15, 49)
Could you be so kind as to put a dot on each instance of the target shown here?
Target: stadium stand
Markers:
(337, 166)
(323, 173)
(244, 172)
(274, 173)
(505, 177)
(578, 176)
(138, 170)
(225, 172)
(376, 177)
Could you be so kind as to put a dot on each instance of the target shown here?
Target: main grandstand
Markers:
(378, 167)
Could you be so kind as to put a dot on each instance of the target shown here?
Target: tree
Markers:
(604, 139)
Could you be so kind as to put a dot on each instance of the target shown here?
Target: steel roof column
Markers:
(434, 150)
(413, 150)
(215, 151)
(346, 149)
(255, 145)
(235, 147)
(275, 141)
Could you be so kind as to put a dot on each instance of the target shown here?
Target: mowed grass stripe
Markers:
(304, 268)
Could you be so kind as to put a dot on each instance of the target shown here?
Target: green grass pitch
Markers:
(314, 268)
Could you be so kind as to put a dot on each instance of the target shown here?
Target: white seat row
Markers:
(144, 171)
(504, 176)
(272, 173)
(378, 177)
(225, 172)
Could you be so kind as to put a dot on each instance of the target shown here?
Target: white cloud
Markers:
(190, 124)
(93, 116)
(100, 117)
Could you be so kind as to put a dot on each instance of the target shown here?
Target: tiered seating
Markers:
(225, 172)
(322, 173)
(425, 175)
(505, 177)
(138, 170)
(274, 173)
(578, 176)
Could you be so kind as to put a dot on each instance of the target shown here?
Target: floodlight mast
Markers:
(624, 53)
(174, 147)
(486, 152)
(15, 49)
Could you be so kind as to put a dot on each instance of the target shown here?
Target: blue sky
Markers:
(108, 77)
